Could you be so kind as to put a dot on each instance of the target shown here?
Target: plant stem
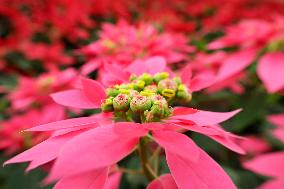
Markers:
(142, 149)
(130, 171)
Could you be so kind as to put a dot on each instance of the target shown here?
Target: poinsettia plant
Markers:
(134, 115)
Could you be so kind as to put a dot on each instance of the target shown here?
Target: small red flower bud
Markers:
(121, 102)
(140, 103)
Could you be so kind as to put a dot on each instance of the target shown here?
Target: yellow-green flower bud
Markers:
(167, 84)
(123, 86)
(107, 105)
(147, 93)
(151, 88)
(121, 102)
(140, 103)
(147, 78)
(133, 93)
(169, 93)
(124, 91)
(159, 109)
(167, 88)
(112, 92)
(133, 77)
(160, 76)
(183, 93)
(177, 80)
(139, 85)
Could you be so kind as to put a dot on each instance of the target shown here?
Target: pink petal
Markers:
(43, 152)
(216, 133)
(271, 164)
(153, 126)
(113, 181)
(178, 144)
(90, 66)
(202, 81)
(151, 65)
(218, 44)
(65, 124)
(279, 133)
(128, 129)
(204, 118)
(235, 63)
(164, 182)
(183, 111)
(97, 147)
(204, 174)
(73, 98)
(186, 74)
(90, 180)
(254, 145)
(270, 71)
(277, 119)
(229, 141)
(93, 90)
(273, 184)
(155, 64)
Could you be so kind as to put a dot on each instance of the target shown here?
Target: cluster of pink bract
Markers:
(151, 61)
(85, 150)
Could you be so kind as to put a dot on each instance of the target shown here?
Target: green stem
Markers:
(130, 171)
(142, 149)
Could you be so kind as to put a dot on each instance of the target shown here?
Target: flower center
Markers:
(145, 98)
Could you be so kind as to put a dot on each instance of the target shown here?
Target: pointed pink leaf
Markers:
(93, 90)
(203, 174)
(65, 124)
(163, 182)
(218, 134)
(236, 63)
(73, 98)
(202, 81)
(273, 184)
(254, 145)
(279, 133)
(178, 144)
(155, 64)
(271, 164)
(97, 147)
(90, 66)
(44, 152)
(128, 129)
(186, 74)
(204, 118)
(151, 65)
(277, 120)
(205, 130)
(229, 141)
(89, 180)
(270, 71)
(137, 67)
(183, 111)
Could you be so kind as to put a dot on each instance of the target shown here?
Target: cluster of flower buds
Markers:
(145, 98)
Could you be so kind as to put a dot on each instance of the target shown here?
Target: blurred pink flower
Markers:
(36, 91)
(123, 43)
(278, 121)
(13, 140)
(272, 165)
(254, 36)
(270, 71)
(254, 145)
